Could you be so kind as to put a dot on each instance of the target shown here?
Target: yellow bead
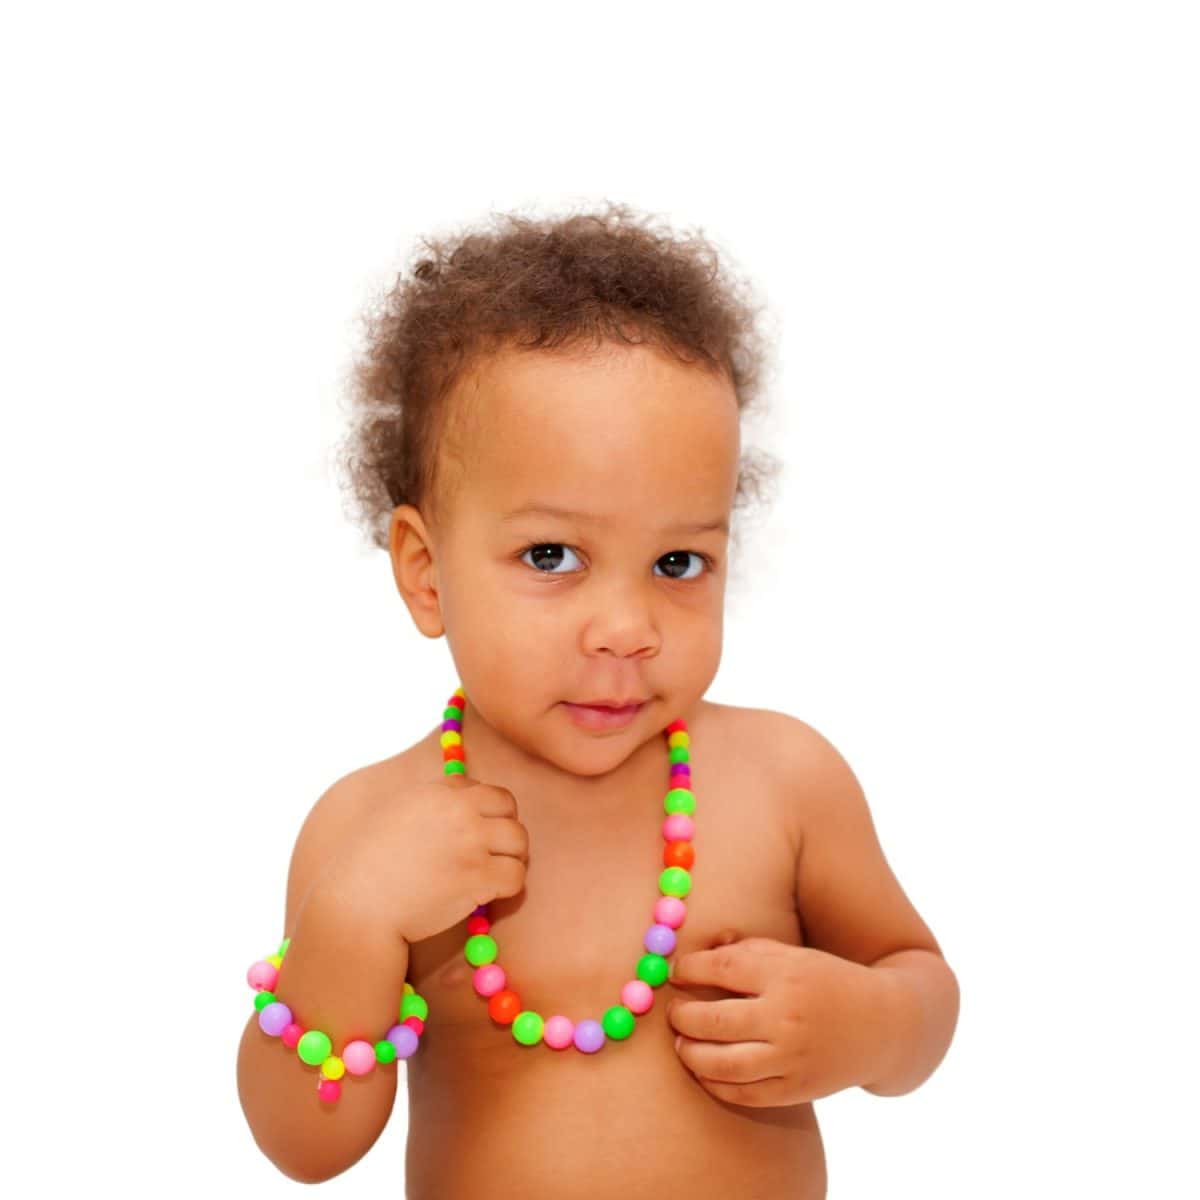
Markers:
(275, 960)
(678, 738)
(333, 1067)
(409, 989)
(451, 737)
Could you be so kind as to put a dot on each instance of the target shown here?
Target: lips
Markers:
(602, 716)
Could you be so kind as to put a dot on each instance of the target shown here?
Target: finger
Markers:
(732, 1062)
(736, 1020)
(734, 967)
(507, 837)
(494, 802)
(763, 1093)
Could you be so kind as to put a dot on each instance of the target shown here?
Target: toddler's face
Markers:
(618, 601)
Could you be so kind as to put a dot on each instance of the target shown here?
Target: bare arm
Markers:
(921, 1011)
(851, 904)
(341, 975)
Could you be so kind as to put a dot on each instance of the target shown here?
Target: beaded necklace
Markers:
(674, 883)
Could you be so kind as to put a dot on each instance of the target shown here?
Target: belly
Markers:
(488, 1116)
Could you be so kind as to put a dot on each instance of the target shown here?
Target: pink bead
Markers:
(415, 1024)
(329, 1090)
(489, 979)
(359, 1057)
(678, 827)
(558, 1032)
(670, 911)
(262, 976)
(637, 996)
(291, 1036)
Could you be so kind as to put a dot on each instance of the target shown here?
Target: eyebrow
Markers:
(569, 514)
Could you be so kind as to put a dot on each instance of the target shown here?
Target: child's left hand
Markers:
(810, 1023)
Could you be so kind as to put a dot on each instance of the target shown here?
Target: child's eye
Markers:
(548, 555)
(541, 558)
(674, 559)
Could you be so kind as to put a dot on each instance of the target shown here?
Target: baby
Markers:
(548, 445)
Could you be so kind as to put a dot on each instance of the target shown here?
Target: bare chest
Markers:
(573, 937)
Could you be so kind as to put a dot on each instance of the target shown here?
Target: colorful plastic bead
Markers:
(527, 1028)
(618, 1022)
(678, 854)
(680, 799)
(589, 1036)
(504, 1006)
(359, 1057)
(653, 969)
(314, 1047)
(558, 1032)
(670, 910)
(274, 1019)
(481, 949)
(637, 996)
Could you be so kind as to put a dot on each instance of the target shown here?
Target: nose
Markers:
(621, 623)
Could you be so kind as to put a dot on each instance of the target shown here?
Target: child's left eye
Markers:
(675, 555)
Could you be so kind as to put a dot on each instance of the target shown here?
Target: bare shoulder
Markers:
(798, 765)
(334, 814)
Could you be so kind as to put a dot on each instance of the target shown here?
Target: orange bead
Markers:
(449, 752)
(504, 1007)
(679, 854)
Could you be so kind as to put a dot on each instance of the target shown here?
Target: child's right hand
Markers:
(421, 861)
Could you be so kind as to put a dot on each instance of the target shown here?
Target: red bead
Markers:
(504, 1007)
(478, 925)
(456, 702)
(415, 1024)
(449, 752)
(678, 726)
(679, 854)
(329, 1090)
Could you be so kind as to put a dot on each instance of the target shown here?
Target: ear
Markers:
(414, 569)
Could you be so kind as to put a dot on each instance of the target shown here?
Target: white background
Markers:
(976, 227)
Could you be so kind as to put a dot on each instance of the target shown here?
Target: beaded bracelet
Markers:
(315, 1048)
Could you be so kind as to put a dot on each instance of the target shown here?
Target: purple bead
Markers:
(451, 723)
(589, 1036)
(404, 1038)
(680, 769)
(660, 939)
(480, 910)
(275, 1018)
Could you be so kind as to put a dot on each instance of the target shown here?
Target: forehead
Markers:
(607, 432)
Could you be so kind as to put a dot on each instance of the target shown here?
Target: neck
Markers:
(540, 783)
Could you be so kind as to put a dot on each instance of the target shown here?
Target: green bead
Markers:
(653, 969)
(481, 949)
(675, 881)
(454, 766)
(618, 1022)
(680, 800)
(314, 1047)
(283, 948)
(527, 1028)
(679, 754)
(452, 713)
(262, 999)
(385, 1052)
(414, 1006)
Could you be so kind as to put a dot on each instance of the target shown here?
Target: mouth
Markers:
(603, 716)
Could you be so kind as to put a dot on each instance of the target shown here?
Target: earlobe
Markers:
(414, 569)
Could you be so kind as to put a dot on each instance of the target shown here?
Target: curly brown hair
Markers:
(553, 283)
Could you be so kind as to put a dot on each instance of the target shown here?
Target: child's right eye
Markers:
(541, 557)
